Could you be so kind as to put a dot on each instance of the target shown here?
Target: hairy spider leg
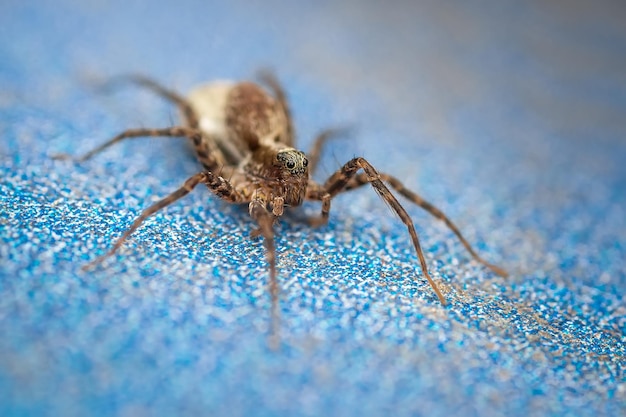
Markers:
(183, 104)
(209, 155)
(318, 144)
(337, 182)
(218, 185)
(265, 219)
(206, 150)
(362, 179)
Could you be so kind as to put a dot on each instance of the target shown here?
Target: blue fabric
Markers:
(510, 118)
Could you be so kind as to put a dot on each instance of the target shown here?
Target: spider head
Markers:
(293, 162)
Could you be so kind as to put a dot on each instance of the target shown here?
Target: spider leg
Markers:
(265, 220)
(258, 232)
(187, 187)
(278, 207)
(207, 152)
(361, 179)
(338, 182)
(272, 82)
(318, 144)
(317, 192)
(218, 185)
(188, 112)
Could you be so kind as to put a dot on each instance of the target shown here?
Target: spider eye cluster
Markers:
(293, 160)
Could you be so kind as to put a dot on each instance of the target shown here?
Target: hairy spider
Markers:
(244, 139)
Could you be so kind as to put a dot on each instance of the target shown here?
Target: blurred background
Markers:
(507, 116)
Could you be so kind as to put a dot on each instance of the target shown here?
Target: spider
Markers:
(244, 139)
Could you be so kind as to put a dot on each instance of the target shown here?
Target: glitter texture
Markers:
(508, 118)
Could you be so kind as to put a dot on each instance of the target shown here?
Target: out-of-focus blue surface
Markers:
(510, 118)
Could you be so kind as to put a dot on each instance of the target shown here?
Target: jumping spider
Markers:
(244, 139)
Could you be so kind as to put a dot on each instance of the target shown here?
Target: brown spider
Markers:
(242, 133)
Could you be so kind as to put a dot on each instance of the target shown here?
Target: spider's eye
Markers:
(290, 164)
(305, 162)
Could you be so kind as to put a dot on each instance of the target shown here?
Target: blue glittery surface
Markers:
(508, 118)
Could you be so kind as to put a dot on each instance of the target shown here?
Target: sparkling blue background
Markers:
(510, 118)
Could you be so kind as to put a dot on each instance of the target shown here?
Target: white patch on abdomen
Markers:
(209, 101)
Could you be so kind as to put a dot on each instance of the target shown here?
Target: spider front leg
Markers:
(338, 182)
(361, 179)
(317, 192)
(265, 220)
(278, 207)
(218, 185)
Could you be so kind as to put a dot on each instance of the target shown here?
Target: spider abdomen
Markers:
(238, 117)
